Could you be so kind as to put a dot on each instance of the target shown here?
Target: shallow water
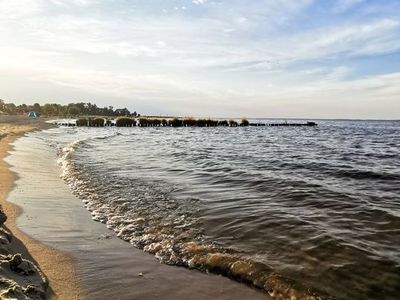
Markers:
(294, 211)
(107, 266)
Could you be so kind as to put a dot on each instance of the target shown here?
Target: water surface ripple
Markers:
(299, 212)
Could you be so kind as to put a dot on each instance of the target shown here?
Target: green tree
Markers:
(10, 108)
(2, 105)
(22, 109)
(74, 111)
(37, 108)
(63, 111)
(47, 109)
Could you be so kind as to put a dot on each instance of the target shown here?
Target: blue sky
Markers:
(298, 58)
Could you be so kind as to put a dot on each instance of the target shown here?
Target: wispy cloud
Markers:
(344, 5)
(215, 52)
(15, 10)
(199, 1)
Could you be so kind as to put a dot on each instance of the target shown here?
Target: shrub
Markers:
(201, 123)
(143, 122)
(211, 123)
(223, 123)
(232, 123)
(125, 122)
(151, 122)
(175, 122)
(189, 122)
(164, 122)
(244, 122)
(156, 122)
(90, 122)
(82, 122)
(98, 122)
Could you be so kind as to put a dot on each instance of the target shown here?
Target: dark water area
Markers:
(298, 212)
(106, 266)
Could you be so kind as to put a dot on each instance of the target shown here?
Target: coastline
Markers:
(103, 271)
(61, 285)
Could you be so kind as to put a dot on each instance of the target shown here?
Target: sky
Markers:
(236, 58)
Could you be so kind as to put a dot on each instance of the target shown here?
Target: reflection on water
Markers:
(295, 211)
(106, 265)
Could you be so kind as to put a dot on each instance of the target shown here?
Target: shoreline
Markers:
(103, 271)
(61, 285)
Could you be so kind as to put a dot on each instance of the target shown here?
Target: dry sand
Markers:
(57, 266)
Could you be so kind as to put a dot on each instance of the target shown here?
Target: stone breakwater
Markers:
(20, 278)
(175, 122)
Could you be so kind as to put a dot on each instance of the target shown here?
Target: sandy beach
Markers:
(56, 284)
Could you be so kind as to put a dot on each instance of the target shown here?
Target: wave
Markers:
(65, 153)
(367, 175)
(153, 221)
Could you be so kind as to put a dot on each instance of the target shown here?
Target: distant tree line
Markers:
(71, 109)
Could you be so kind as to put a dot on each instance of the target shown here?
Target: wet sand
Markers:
(63, 284)
(107, 266)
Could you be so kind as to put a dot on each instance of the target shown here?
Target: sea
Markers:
(298, 212)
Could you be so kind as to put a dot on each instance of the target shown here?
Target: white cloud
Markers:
(65, 3)
(351, 39)
(198, 2)
(19, 9)
(343, 5)
(221, 55)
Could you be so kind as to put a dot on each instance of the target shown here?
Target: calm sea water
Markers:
(294, 211)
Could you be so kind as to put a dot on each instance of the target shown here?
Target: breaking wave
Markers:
(298, 213)
(152, 220)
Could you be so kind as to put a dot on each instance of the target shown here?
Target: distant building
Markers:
(33, 114)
